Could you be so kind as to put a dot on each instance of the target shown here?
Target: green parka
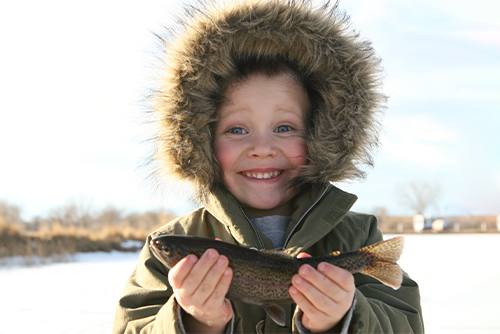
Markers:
(320, 224)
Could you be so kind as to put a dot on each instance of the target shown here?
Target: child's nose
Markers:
(262, 146)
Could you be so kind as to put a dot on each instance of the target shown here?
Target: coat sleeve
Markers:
(381, 309)
(147, 304)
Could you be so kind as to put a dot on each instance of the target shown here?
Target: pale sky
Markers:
(72, 125)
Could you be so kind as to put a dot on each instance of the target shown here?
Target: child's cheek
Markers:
(299, 155)
(225, 152)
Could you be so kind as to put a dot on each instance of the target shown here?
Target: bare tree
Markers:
(10, 212)
(109, 216)
(76, 212)
(418, 196)
(10, 220)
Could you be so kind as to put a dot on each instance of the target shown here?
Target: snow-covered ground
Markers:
(459, 279)
(459, 276)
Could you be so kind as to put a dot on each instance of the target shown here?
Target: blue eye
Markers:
(237, 131)
(283, 128)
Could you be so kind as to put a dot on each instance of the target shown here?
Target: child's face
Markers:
(259, 142)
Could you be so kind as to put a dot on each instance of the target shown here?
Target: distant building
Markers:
(438, 224)
(418, 223)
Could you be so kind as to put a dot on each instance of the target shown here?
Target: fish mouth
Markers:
(155, 247)
(262, 175)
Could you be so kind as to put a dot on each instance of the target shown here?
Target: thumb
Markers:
(303, 255)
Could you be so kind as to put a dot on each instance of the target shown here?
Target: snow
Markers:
(458, 275)
(459, 279)
(75, 297)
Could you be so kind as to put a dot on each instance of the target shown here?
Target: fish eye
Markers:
(165, 249)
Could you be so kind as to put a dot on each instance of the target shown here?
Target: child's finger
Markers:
(314, 296)
(314, 318)
(302, 302)
(298, 298)
(207, 303)
(323, 286)
(218, 296)
(341, 277)
(222, 286)
(212, 278)
(326, 281)
(178, 273)
(195, 279)
(303, 255)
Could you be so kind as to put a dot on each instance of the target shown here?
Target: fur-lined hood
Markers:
(317, 39)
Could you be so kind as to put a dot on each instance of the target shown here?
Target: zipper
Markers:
(304, 215)
(261, 242)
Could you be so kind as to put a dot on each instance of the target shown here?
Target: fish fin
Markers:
(275, 312)
(388, 273)
(384, 256)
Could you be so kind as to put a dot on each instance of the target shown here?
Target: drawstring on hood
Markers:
(317, 41)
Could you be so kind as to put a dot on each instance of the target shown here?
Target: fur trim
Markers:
(318, 40)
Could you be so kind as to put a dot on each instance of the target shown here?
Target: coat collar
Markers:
(316, 213)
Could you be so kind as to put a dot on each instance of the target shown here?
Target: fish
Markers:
(263, 277)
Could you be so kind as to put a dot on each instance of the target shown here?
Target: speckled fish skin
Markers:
(264, 277)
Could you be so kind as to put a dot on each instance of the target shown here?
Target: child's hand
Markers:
(200, 287)
(324, 295)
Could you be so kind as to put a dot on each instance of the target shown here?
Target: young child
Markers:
(263, 104)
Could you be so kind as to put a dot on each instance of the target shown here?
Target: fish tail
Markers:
(384, 257)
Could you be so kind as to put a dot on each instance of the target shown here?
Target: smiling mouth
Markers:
(262, 175)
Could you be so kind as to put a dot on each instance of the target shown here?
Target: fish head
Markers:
(166, 253)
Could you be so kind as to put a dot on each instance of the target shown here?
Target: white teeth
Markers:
(266, 175)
